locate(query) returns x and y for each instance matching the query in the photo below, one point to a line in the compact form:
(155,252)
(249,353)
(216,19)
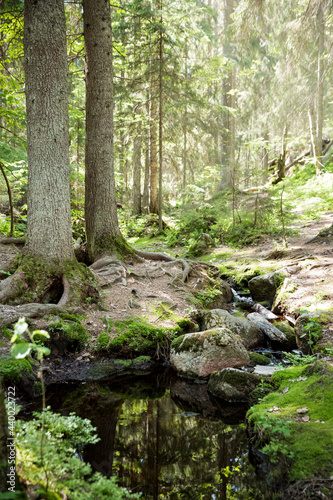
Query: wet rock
(249,333)
(316,327)
(193,397)
(258,359)
(200,354)
(289,332)
(233,385)
(265,287)
(267,328)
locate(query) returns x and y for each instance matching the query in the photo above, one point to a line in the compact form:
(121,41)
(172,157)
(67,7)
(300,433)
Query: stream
(164,437)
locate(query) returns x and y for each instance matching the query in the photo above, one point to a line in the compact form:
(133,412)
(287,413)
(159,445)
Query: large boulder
(273,333)
(289,332)
(200,354)
(314,330)
(233,385)
(265,286)
(249,333)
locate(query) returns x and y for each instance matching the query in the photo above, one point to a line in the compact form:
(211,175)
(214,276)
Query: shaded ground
(155,291)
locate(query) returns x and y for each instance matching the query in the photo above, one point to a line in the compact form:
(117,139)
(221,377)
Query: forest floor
(154,290)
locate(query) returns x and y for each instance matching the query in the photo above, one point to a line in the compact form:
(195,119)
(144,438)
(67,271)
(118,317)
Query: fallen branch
(15,241)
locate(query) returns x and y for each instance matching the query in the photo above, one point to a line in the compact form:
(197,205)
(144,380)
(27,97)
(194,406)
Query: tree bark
(102,228)
(137,169)
(228,102)
(49,232)
(320,88)
(153,207)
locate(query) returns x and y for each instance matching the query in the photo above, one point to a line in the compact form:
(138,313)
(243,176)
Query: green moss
(71,317)
(111,245)
(176,343)
(309,443)
(184,324)
(259,359)
(136,336)
(12,370)
(5,332)
(72,331)
(103,341)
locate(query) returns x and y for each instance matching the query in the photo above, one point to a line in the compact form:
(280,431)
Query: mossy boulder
(200,354)
(67,334)
(250,334)
(314,330)
(297,445)
(136,337)
(289,333)
(12,370)
(273,333)
(283,293)
(265,286)
(234,386)
(258,359)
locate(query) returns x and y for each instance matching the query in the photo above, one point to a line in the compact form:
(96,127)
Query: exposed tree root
(10,314)
(65,296)
(12,286)
(310,488)
(10,241)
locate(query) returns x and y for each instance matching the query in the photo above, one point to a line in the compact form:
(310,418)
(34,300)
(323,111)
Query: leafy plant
(274,430)
(312,333)
(299,359)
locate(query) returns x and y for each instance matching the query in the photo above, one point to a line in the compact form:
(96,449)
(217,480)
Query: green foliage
(208,296)
(275,430)
(12,370)
(313,332)
(299,359)
(59,469)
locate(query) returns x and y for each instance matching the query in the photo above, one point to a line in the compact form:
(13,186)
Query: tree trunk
(160,139)
(49,232)
(145,199)
(153,207)
(320,88)
(102,229)
(137,169)
(228,101)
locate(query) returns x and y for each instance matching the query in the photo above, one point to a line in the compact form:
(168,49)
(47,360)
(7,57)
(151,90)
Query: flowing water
(165,437)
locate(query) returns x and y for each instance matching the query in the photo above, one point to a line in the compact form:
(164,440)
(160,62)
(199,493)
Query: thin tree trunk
(320,88)
(228,101)
(49,232)
(137,169)
(153,207)
(160,140)
(145,200)
(102,229)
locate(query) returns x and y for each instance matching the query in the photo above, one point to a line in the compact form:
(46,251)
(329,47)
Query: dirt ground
(155,291)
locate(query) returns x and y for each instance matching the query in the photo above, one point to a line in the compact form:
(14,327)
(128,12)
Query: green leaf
(41,332)
(41,350)
(22,350)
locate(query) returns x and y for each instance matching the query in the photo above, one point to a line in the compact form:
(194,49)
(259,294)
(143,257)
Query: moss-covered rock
(12,370)
(302,441)
(250,334)
(265,286)
(289,332)
(258,359)
(200,354)
(135,336)
(234,386)
(314,330)
(283,293)
(65,335)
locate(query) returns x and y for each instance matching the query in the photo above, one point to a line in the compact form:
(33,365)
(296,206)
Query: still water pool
(164,437)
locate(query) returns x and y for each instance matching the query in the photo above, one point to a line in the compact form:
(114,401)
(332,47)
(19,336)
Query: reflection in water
(165,440)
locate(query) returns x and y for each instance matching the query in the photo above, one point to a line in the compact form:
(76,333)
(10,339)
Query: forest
(166,231)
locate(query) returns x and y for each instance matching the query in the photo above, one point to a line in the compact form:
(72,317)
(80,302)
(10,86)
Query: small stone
(306,419)
(301,379)
(285,390)
(302,410)
(317,422)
